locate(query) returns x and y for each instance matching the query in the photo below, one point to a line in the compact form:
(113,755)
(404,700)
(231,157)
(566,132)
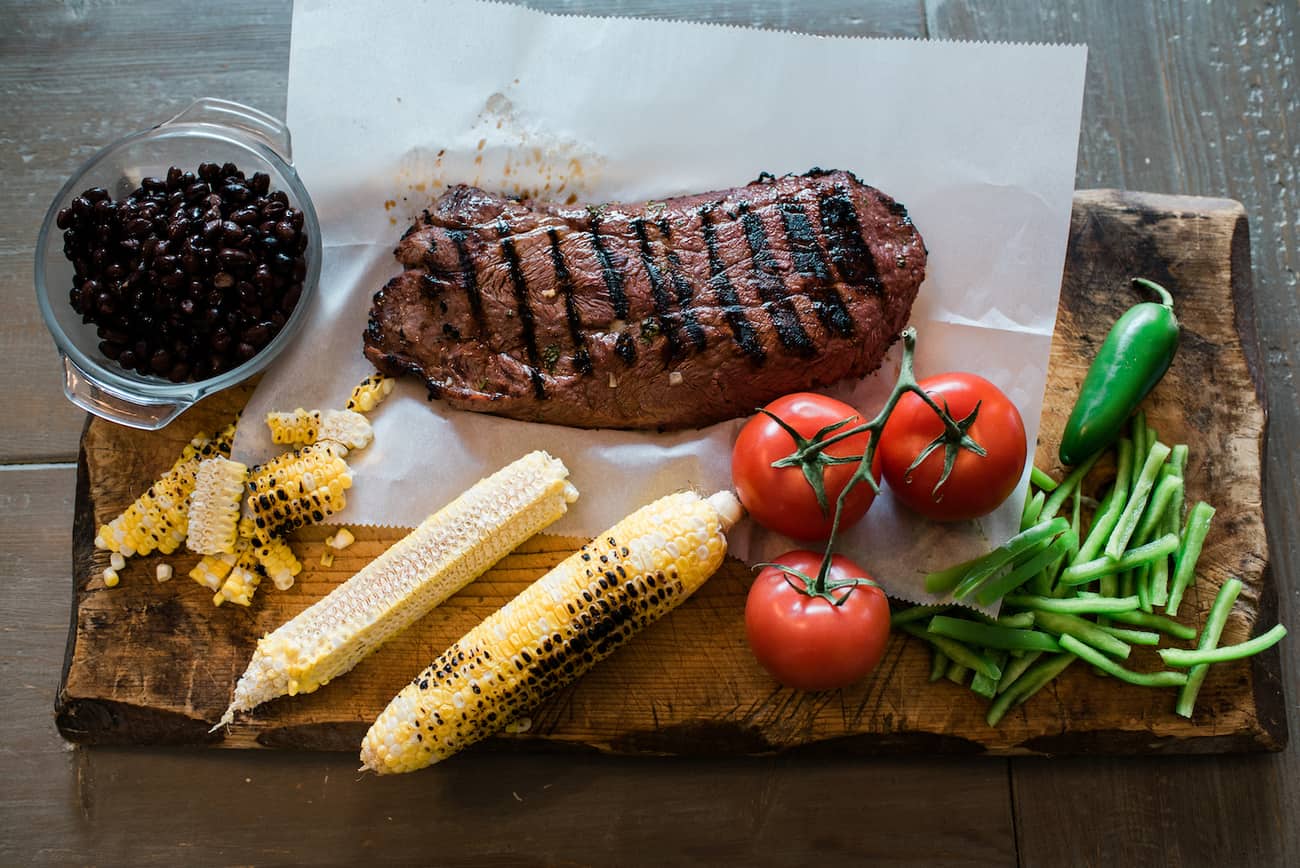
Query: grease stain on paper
(503,152)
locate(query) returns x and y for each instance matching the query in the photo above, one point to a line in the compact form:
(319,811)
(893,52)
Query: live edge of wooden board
(154,664)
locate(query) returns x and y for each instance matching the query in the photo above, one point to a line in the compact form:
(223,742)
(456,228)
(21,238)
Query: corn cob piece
(279,563)
(554,631)
(297,488)
(347,428)
(211,570)
(369,392)
(159,518)
(242,581)
(447,551)
(214,506)
(298,428)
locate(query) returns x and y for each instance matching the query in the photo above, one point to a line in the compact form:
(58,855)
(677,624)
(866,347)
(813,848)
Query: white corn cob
(346,427)
(447,551)
(214,506)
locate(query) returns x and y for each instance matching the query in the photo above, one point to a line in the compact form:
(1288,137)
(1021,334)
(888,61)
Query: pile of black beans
(188,276)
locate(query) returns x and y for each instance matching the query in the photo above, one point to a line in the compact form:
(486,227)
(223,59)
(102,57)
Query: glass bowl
(210,130)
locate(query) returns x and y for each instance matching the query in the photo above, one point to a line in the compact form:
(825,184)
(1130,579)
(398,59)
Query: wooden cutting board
(152,663)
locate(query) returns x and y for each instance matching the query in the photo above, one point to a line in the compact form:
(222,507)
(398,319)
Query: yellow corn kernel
(341,540)
(214,506)
(110,578)
(163,572)
(369,392)
(212,570)
(242,581)
(327,558)
(446,552)
(279,563)
(554,631)
(297,488)
(116,561)
(298,428)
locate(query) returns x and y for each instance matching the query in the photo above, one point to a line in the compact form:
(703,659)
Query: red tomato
(810,643)
(977,484)
(780,498)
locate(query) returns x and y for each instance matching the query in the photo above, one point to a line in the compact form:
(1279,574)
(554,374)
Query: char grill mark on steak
(848,250)
(682,288)
(613,277)
(742,330)
(809,261)
(659,293)
(564,280)
(527,325)
(771,286)
(468,276)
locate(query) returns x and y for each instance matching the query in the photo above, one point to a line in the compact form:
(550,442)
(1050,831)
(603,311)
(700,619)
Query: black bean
(96,194)
(245,351)
(208,171)
(187,307)
(110,349)
(285,231)
(63,219)
(233,191)
(179,372)
(173,178)
(259,183)
(231,170)
(223,280)
(114,271)
(197,190)
(259,334)
(211,229)
(244,216)
(126,358)
(233,258)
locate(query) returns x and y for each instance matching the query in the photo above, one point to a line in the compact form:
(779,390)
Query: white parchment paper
(977,140)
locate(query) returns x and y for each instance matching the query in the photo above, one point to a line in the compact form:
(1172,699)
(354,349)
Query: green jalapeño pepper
(1132,359)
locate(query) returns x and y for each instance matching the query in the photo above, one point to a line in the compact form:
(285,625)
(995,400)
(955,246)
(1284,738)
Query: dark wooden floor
(1182,97)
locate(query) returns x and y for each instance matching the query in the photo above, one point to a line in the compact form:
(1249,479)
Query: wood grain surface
(1182,97)
(155,664)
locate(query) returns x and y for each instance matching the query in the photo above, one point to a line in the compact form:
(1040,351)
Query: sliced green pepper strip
(1173,520)
(1033,506)
(1137,501)
(1038,677)
(1159,583)
(1015,668)
(1155,622)
(945,580)
(1073,605)
(1141,445)
(1036,536)
(1213,630)
(1198,525)
(1066,488)
(989,636)
(1182,657)
(984,686)
(1104,524)
(955,651)
(1020,620)
(1178,459)
(1156,508)
(1040,479)
(1110,667)
(938,663)
(957,673)
(1142,586)
(1079,574)
(1084,631)
(1133,637)
(916,613)
(998,587)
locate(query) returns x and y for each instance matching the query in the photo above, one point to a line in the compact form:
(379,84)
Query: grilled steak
(662,315)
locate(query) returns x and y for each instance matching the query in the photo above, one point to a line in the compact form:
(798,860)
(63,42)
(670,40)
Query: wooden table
(1182,98)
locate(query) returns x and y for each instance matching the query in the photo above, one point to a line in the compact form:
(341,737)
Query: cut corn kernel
(327,558)
(212,570)
(159,518)
(116,561)
(214,506)
(341,540)
(110,578)
(163,572)
(298,428)
(446,552)
(242,581)
(347,428)
(296,489)
(554,631)
(369,392)
(279,563)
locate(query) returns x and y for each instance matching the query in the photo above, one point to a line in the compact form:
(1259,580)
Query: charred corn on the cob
(446,552)
(369,392)
(279,563)
(347,428)
(296,428)
(159,518)
(554,631)
(211,570)
(297,488)
(214,506)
